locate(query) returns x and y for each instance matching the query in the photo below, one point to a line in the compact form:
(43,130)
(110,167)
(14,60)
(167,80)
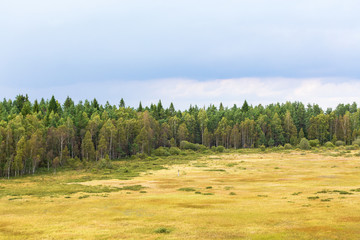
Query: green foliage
(161,151)
(75,163)
(48,135)
(288,146)
(220,149)
(174,151)
(356,141)
(314,143)
(105,163)
(339,143)
(304,144)
(185,145)
(329,145)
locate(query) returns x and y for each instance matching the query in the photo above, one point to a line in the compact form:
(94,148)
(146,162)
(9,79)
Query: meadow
(245,194)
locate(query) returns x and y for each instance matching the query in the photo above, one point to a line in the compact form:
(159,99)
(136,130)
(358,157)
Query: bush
(352,147)
(356,141)
(74,163)
(262,148)
(188,145)
(220,149)
(141,155)
(161,151)
(329,145)
(304,144)
(105,163)
(201,148)
(339,143)
(174,151)
(280,148)
(314,143)
(287,146)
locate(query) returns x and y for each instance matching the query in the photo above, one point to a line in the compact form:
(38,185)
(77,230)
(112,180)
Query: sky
(181,51)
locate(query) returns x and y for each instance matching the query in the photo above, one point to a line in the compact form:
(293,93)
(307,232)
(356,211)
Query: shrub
(141,155)
(262,148)
(280,148)
(271,142)
(161,151)
(314,143)
(339,143)
(174,151)
(356,141)
(74,163)
(304,144)
(329,145)
(105,163)
(287,146)
(188,145)
(352,147)
(201,147)
(220,149)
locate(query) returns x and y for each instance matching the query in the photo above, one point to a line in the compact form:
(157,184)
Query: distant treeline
(50,134)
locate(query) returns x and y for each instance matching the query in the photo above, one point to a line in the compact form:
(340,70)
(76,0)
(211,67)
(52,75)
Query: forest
(48,134)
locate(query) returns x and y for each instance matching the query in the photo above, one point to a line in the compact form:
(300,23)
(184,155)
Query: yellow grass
(271,201)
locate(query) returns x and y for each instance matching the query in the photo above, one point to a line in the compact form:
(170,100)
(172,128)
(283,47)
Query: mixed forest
(48,134)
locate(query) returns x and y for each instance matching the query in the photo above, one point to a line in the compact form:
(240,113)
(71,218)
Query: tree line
(49,134)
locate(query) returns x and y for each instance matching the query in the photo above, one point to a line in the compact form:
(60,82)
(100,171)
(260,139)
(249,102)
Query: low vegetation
(150,198)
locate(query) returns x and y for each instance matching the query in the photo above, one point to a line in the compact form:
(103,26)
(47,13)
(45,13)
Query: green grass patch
(132,187)
(187,189)
(14,198)
(231,164)
(215,170)
(163,230)
(342,192)
(313,198)
(84,196)
(326,200)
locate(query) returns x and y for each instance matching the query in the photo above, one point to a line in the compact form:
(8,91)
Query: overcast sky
(189,52)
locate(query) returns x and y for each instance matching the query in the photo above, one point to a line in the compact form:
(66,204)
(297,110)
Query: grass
(162,230)
(187,189)
(306,199)
(215,170)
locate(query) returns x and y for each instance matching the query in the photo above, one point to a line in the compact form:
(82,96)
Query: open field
(284,195)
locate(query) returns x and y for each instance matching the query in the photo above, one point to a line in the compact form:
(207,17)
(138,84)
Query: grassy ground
(277,195)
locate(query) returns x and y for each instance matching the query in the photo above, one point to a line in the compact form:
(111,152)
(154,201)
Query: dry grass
(275,197)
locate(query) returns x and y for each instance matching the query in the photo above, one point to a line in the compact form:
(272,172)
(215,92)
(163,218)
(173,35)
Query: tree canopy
(48,134)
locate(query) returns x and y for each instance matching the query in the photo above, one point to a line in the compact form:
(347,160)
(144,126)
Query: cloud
(185,92)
